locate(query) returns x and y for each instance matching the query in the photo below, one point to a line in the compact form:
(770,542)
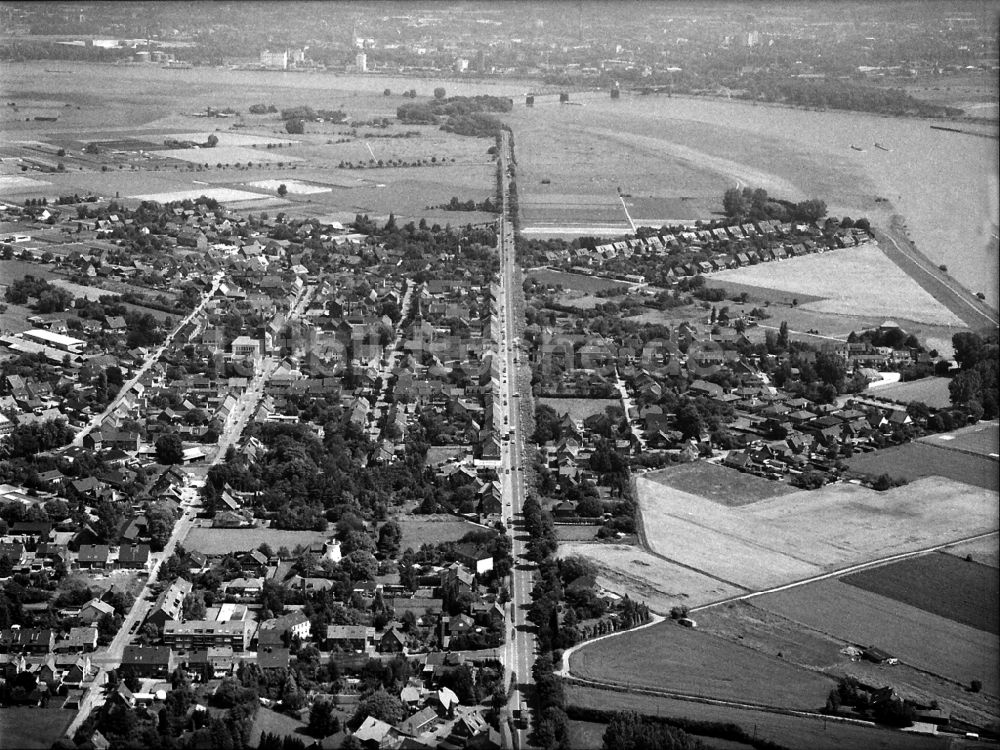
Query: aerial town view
(540,375)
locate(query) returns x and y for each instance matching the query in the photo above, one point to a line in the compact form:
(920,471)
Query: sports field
(925,458)
(795,536)
(922,639)
(627,569)
(220,541)
(942,584)
(723,485)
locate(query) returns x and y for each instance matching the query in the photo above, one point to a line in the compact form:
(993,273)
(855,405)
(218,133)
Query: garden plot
(792,537)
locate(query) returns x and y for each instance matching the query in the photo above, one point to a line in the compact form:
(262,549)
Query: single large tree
(170,449)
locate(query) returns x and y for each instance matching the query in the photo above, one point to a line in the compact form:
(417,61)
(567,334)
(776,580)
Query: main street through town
(519,648)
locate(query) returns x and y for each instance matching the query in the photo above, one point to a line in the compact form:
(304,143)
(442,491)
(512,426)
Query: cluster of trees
(630,731)
(262,109)
(28,440)
(48,298)
(755,204)
(470,205)
(828,93)
(975,387)
(882,706)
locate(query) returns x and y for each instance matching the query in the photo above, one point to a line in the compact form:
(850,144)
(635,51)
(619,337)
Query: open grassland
(221,541)
(792,537)
(787,731)
(421,530)
(626,569)
(576,532)
(930,391)
(723,485)
(771,634)
(916,460)
(576,281)
(945,585)
(982,438)
(922,639)
(985,550)
(580,408)
(850,281)
(670,657)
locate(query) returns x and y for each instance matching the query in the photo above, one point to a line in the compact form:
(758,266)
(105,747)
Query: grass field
(220,541)
(33,728)
(438,453)
(850,281)
(922,639)
(946,585)
(725,486)
(791,537)
(626,569)
(921,459)
(576,281)
(931,391)
(787,731)
(982,438)
(574,533)
(693,662)
(985,551)
(420,530)
(580,408)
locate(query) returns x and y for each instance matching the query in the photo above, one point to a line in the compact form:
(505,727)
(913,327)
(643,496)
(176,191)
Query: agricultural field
(12,183)
(920,459)
(921,639)
(945,585)
(814,733)
(692,662)
(982,439)
(221,541)
(419,530)
(576,281)
(931,391)
(294,187)
(223,195)
(795,536)
(850,281)
(580,408)
(985,551)
(723,485)
(627,569)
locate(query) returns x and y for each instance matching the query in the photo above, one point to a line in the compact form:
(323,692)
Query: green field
(421,530)
(718,483)
(919,459)
(220,541)
(33,728)
(982,439)
(579,408)
(576,281)
(930,391)
(942,584)
(919,638)
(787,731)
(669,657)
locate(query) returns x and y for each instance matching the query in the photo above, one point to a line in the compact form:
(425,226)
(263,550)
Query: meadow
(985,551)
(433,529)
(723,485)
(982,439)
(222,541)
(919,638)
(917,460)
(577,281)
(849,281)
(691,662)
(661,584)
(795,536)
(930,391)
(942,584)
(579,408)
(785,730)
